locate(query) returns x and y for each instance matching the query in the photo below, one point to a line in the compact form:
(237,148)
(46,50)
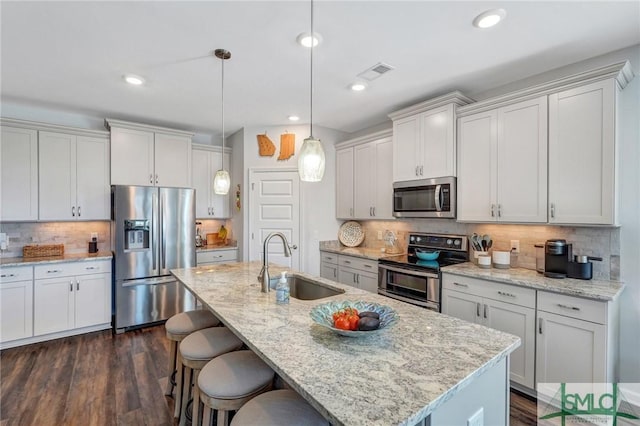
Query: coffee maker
(557,254)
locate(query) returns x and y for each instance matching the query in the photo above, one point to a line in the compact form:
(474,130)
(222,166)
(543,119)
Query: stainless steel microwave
(425,198)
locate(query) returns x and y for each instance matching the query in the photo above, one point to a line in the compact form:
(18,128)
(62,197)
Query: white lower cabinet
(216,256)
(350,270)
(574,340)
(76,295)
(502,307)
(16,303)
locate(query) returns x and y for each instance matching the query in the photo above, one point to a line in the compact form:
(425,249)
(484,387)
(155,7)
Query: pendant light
(311,158)
(222,181)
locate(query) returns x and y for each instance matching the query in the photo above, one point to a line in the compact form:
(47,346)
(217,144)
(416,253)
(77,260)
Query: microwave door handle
(438,197)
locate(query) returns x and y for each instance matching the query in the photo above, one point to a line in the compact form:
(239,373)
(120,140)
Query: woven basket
(43,251)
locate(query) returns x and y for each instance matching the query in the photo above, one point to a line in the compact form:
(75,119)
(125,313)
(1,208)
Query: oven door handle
(428,305)
(408,271)
(438,196)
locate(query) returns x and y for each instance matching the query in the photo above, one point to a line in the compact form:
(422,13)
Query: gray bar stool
(227,382)
(277,408)
(196,350)
(177,328)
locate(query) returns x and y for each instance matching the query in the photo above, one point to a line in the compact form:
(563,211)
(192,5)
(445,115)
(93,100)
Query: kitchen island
(428,368)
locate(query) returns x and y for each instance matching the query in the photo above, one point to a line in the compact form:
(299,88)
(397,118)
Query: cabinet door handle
(493,210)
(540,325)
(374,211)
(502,293)
(151,178)
(78,285)
(552,210)
(351,212)
(79,211)
(54,271)
(573,308)
(71,285)
(156,179)
(499,210)
(335,273)
(358,278)
(73,211)
(460,285)
(213,211)
(485,310)
(421,170)
(478,309)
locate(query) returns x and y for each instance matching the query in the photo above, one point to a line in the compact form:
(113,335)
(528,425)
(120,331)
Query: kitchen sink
(304,289)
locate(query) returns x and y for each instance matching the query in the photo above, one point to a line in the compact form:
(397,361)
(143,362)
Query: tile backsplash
(593,241)
(74,235)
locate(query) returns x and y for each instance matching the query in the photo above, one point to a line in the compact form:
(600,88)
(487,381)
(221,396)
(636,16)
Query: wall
(317,199)
(74,235)
(236,141)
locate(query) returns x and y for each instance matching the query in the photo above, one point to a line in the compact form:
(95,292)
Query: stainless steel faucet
(264,272)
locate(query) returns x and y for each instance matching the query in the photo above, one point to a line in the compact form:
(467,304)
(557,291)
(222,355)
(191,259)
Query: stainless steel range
(416,281)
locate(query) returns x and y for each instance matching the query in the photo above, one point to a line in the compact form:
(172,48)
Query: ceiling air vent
(375,71)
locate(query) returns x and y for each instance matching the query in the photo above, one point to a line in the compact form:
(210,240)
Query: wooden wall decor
(265,146)
(287,146)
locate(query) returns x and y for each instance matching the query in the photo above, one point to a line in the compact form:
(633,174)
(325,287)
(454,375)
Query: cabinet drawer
(214,256)
(463,284)
(18,273)
(358,263)
(510,294)
(574,307)
(329,258)
(54,270)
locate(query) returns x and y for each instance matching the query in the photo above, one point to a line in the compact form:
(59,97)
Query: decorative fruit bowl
(323,315)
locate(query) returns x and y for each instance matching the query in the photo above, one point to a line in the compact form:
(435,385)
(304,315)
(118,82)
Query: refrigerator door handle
(154,231)
(163,251)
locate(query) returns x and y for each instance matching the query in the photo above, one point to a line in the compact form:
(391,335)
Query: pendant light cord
(313,39)
(224,53)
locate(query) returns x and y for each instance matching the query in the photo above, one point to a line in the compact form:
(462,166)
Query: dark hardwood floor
(105,379)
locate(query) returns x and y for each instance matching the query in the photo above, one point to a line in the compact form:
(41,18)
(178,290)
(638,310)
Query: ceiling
(72,55)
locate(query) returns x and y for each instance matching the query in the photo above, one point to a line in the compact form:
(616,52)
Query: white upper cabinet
(206,161)
(424,138)
(73,177)
(149,156)
(502,164)
(19,174)
(582,154)
(364,188)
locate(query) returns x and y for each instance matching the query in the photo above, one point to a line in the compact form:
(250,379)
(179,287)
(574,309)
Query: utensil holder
(476,254)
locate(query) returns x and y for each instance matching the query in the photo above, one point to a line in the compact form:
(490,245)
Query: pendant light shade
(222,180)
(311,158)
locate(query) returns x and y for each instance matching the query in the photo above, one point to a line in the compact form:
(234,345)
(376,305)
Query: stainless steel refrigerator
(152,231)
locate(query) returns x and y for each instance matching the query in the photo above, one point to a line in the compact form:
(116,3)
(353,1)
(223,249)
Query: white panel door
(522,162)
(329,271)
(19,174)
(16,310)
(383,190)
(438,156)
(344,183)
(364,175)
(53,305)
(131,157)
(582,154)
(274,207)
(461,305)
(92,299)
(477,135)
(172,157)
(406,149)
(92,179)
(57,176)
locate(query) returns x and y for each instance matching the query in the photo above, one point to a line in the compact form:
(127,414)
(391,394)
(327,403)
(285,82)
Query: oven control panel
(438,241)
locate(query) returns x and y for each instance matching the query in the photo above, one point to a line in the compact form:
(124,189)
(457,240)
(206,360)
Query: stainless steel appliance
(557,254)
(425,198)
(151,232)
(407,278)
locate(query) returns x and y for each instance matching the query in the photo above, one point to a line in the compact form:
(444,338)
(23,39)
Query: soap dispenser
(282,290)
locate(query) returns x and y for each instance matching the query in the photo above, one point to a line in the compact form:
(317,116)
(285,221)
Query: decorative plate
(351,234)
(323,314)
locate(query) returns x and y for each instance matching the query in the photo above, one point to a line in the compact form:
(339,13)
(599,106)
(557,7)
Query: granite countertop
(76,257)
(590,289)
(366,253)
(397,376)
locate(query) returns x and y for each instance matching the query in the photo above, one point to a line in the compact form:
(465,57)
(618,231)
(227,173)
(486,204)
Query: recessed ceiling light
(294,118)
(358,86)
(489,18)
(305,39)
(133,79)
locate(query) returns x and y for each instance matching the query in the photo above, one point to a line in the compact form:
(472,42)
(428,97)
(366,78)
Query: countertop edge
(20,261)
(525,283)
